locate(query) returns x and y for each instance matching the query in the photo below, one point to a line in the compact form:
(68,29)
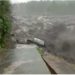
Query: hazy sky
(20,1)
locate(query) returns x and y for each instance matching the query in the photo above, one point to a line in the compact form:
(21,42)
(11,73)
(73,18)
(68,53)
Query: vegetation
(47,7)
(5,22)
(40,50)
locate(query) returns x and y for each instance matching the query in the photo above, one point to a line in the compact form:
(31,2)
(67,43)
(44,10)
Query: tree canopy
(5,22)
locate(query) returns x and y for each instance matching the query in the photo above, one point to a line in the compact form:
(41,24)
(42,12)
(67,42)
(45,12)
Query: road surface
(25,59)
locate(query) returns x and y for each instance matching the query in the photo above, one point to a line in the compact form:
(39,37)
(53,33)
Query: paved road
(25,59)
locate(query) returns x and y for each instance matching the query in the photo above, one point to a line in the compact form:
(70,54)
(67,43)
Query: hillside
(45,8)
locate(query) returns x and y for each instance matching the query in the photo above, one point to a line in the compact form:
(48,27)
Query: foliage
(5,22)
(47,8)
(40,50)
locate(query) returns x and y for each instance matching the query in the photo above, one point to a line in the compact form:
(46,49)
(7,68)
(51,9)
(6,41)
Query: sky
(20,1)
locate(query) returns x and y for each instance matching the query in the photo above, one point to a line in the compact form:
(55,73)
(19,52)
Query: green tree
(5,21)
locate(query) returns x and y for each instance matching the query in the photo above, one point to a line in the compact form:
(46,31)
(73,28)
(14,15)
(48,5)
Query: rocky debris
(21,41)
